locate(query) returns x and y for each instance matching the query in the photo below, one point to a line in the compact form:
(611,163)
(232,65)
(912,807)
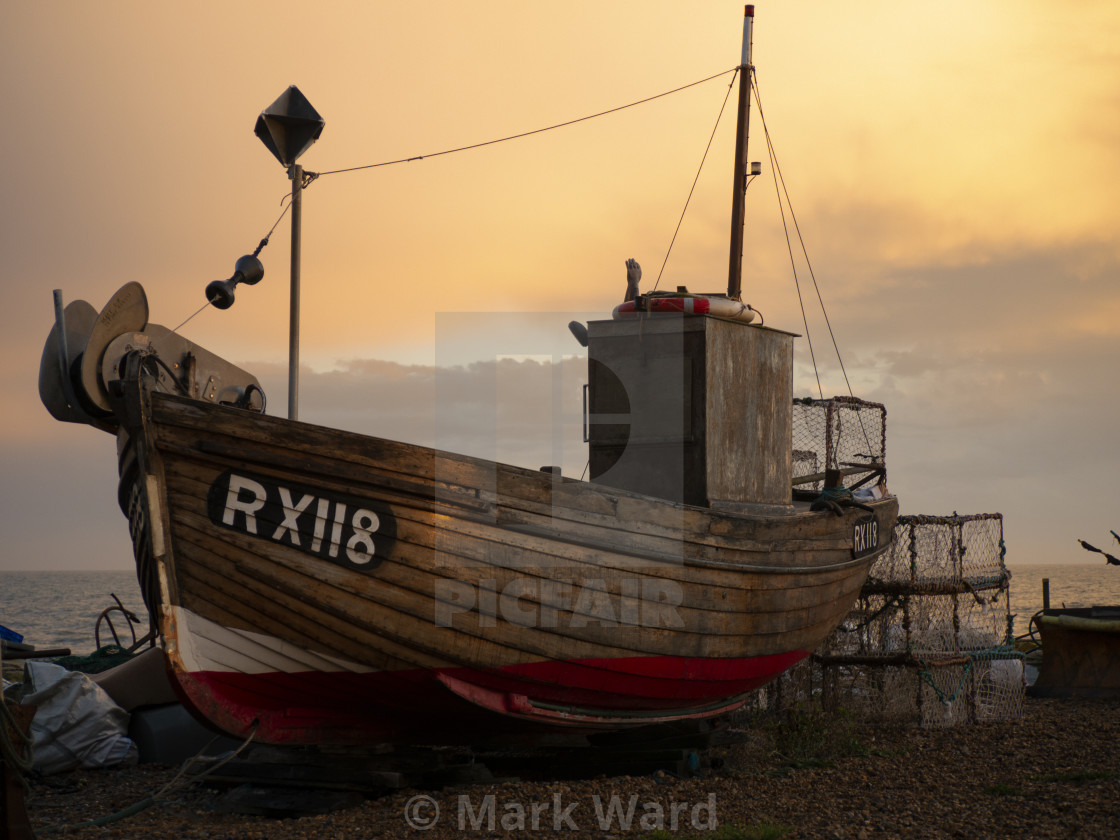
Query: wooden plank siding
(452,529)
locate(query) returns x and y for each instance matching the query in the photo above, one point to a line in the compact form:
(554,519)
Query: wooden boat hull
(1080,653)
(331,587)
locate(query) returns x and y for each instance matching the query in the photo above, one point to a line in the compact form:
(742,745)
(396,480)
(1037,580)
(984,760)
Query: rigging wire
(528,133)
(789,246)
(191,317)
(805,253)
(804,250)
(695,180)
(260,247)
(308,177)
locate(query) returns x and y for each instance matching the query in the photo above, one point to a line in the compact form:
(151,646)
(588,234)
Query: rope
(147,802)
(9,753)
(695,181)
(832,498)
(1031,635)
(527,133)
(774,169)
(1000,652)
(308,177)
(191,317)
(805,253)
(893,603)
(927,677)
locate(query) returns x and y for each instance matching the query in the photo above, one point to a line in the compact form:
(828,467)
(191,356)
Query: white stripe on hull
(205,645)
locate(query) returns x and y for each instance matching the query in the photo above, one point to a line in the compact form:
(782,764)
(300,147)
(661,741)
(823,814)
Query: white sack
(76,723)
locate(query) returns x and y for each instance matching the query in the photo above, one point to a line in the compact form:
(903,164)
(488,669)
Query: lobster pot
(935,693)
(929,640)
(841,433)
(692,409)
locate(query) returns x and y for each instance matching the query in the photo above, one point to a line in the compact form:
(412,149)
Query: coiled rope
(13,755)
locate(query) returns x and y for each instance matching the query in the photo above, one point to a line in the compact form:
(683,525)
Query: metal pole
(295,172)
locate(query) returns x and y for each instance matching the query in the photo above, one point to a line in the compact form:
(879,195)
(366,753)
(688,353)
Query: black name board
(865,536)
(342,529)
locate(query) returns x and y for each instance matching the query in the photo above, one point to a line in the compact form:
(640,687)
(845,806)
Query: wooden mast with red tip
(738,197)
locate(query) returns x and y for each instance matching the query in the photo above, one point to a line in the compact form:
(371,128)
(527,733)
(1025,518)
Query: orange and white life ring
(675,304)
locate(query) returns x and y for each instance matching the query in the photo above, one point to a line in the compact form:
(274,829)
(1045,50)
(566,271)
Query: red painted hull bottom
(463,705)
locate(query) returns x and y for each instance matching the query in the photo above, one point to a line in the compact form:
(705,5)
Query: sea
(1071,585)
(60,609)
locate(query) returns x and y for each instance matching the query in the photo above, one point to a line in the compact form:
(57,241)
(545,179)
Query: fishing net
(929,641)
(102,659)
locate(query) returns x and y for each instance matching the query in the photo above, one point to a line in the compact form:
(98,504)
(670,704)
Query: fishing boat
(1077,648)
(316,586)
(1080,652)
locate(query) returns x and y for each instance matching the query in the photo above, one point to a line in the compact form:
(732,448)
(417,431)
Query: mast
(739,191)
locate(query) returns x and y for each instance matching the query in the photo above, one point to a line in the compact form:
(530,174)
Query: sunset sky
(954,167)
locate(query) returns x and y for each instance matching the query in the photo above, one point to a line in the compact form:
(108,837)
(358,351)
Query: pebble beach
(1053,773)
